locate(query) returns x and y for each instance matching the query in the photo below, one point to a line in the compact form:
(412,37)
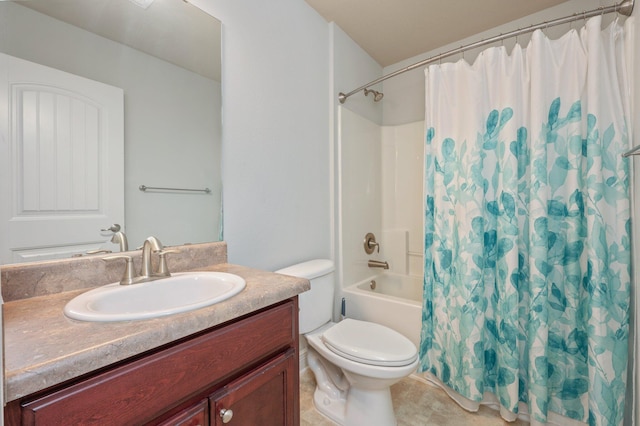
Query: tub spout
(378,264)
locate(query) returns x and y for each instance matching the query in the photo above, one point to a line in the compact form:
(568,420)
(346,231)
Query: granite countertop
(42,347)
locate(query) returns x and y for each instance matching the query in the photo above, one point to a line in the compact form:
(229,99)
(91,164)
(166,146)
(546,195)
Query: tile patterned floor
(416,404)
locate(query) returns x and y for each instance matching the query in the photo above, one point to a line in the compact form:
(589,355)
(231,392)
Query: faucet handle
(163,269)
(129,275)
(99,251)
(370,243)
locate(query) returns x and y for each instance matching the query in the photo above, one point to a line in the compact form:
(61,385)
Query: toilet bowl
(354,362)
(370,366)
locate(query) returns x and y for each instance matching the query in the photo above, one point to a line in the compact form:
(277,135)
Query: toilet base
(371,408)
(349,405)
(328,406)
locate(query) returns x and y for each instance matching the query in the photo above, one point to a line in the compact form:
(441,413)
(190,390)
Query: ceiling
(393,30)
(172,30)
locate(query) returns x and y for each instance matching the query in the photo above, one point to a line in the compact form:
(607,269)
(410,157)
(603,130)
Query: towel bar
(158,188)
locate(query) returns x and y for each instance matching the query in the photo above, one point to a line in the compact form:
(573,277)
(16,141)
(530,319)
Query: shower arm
(625,7)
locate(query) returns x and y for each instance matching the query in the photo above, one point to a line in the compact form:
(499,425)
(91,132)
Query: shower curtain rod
(625,7)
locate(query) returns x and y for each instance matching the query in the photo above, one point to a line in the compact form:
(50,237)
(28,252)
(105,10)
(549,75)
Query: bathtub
(394,301)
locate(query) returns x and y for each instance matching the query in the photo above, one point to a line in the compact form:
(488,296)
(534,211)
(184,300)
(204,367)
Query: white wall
(275,84)
(172,125)
(353,67)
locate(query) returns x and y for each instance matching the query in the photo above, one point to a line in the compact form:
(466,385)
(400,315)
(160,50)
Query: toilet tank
(316,305)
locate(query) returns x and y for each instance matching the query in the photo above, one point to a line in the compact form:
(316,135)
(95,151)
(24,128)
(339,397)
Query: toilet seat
(369,343)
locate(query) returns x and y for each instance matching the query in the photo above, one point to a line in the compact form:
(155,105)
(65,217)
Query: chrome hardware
(370,243)
(625,7)
(153,245)
(145,188)
(150,244)
(633,151)
(121,239)
(377,96)
(129,277)
(226,415)
(90,252)
(163,269)
(100,251)
(377,264)
(113,228)
(372,284)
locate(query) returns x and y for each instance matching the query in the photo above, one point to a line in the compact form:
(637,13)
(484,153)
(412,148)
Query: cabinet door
(197,415)
(266,396)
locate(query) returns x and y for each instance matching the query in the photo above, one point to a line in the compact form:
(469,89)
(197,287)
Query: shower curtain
(527,226)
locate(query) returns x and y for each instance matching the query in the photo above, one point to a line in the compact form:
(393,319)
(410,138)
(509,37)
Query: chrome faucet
(151,244)
(378,264)
(121,239)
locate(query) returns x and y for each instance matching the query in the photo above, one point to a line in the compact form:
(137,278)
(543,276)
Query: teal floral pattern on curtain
(527,244)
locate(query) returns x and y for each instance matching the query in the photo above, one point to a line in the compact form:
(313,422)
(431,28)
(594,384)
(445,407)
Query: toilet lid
(369,343)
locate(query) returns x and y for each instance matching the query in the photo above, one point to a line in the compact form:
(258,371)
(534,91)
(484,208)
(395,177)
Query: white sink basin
(179,293)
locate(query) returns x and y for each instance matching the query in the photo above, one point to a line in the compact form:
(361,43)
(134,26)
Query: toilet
(354,362)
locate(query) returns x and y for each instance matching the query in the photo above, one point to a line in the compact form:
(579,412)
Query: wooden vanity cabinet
(197,415)
(248,366)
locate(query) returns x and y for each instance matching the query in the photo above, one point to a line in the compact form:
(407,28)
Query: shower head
(377,96)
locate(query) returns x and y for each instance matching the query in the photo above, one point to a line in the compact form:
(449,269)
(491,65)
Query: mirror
(166,60)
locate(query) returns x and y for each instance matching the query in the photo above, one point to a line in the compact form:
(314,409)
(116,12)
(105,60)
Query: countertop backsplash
(26,280)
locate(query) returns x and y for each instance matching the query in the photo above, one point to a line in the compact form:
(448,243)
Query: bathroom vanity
(235,362)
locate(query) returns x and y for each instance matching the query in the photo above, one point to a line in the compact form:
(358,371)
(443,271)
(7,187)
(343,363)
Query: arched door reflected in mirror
(166,61)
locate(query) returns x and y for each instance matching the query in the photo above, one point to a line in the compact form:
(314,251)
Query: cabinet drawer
(141,390)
